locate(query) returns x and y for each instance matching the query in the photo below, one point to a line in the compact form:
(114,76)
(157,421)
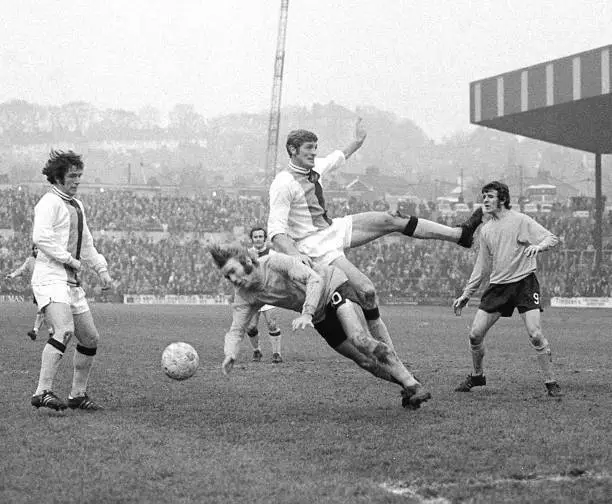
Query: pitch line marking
(414,490)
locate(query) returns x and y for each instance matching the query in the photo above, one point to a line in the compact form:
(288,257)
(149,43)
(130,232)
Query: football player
(325,301)
(298,223)
(26,269)
(65,243)
(509,244)
(261,247)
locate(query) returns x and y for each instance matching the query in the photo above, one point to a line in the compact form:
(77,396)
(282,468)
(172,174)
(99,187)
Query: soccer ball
(180,360)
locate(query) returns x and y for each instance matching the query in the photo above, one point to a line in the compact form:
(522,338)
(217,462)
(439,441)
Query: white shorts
(61,293)
(266,307)
(326,245)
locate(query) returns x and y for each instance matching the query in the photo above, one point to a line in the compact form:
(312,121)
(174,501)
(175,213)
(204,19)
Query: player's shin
(275,341)
(377,327)
(51,356)
(428,230)
(544,356)
(83,362)
(478,353)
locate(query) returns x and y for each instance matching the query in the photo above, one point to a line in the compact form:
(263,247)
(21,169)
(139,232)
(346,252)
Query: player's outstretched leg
(368,226)
(377,357)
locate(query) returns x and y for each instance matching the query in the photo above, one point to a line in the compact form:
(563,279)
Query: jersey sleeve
(330,163)
(89,254)
(43,233)
(280,205)
(482,268)
(242,312)
(300,273)
(532,232)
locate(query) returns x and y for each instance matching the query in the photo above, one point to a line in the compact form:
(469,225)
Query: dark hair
(296,138)
(59,163)
(503,193)
(258,228)
(222,254)
(34,250)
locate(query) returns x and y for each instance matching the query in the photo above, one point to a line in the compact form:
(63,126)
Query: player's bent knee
(476,339)
(63,337)
(367,294)
(539,342)
(382,352)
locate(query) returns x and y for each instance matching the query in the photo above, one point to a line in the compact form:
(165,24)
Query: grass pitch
(315,428)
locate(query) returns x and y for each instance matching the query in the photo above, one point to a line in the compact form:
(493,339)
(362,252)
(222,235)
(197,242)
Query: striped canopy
(567,101)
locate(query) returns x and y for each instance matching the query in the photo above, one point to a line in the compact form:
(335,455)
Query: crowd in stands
(178,262)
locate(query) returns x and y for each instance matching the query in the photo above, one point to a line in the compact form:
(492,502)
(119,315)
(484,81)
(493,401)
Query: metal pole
(597,234)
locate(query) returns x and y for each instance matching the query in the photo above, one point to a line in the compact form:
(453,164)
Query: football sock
(51,357)
(275,341)
(429,230)
(377,327)
(82,361)
(478,353)
(544,356)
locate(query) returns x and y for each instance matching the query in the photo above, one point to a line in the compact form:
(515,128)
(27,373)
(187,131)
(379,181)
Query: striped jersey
(297,205)
(60,232)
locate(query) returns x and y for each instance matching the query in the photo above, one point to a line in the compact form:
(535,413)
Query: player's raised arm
(357,142)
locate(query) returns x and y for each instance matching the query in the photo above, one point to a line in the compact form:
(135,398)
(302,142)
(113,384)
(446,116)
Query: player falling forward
(64,242)
(26,269)
(509,244)
(298,223)
(326,302)
(261,247)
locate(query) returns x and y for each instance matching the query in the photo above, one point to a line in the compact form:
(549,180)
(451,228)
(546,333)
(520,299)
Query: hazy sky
(411,57)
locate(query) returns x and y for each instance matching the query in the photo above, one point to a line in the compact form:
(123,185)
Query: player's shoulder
(49,199)
(283,177)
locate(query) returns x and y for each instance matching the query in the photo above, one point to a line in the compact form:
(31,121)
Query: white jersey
(297,205)
(60,232)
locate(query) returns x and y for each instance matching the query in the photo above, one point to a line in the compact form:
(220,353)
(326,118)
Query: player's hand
(532,250)
(107,281)
(75,264)
(360,132)
(228,365)
(459,304)
(302,322)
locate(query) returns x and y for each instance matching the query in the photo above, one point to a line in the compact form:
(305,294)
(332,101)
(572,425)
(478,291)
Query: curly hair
(503,192)
(296,138)
(59,163)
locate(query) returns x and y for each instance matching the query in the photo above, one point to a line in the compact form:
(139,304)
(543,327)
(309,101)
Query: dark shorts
(523,295)
(330,327)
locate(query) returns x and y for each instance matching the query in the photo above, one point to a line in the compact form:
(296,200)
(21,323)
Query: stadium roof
(567,101)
